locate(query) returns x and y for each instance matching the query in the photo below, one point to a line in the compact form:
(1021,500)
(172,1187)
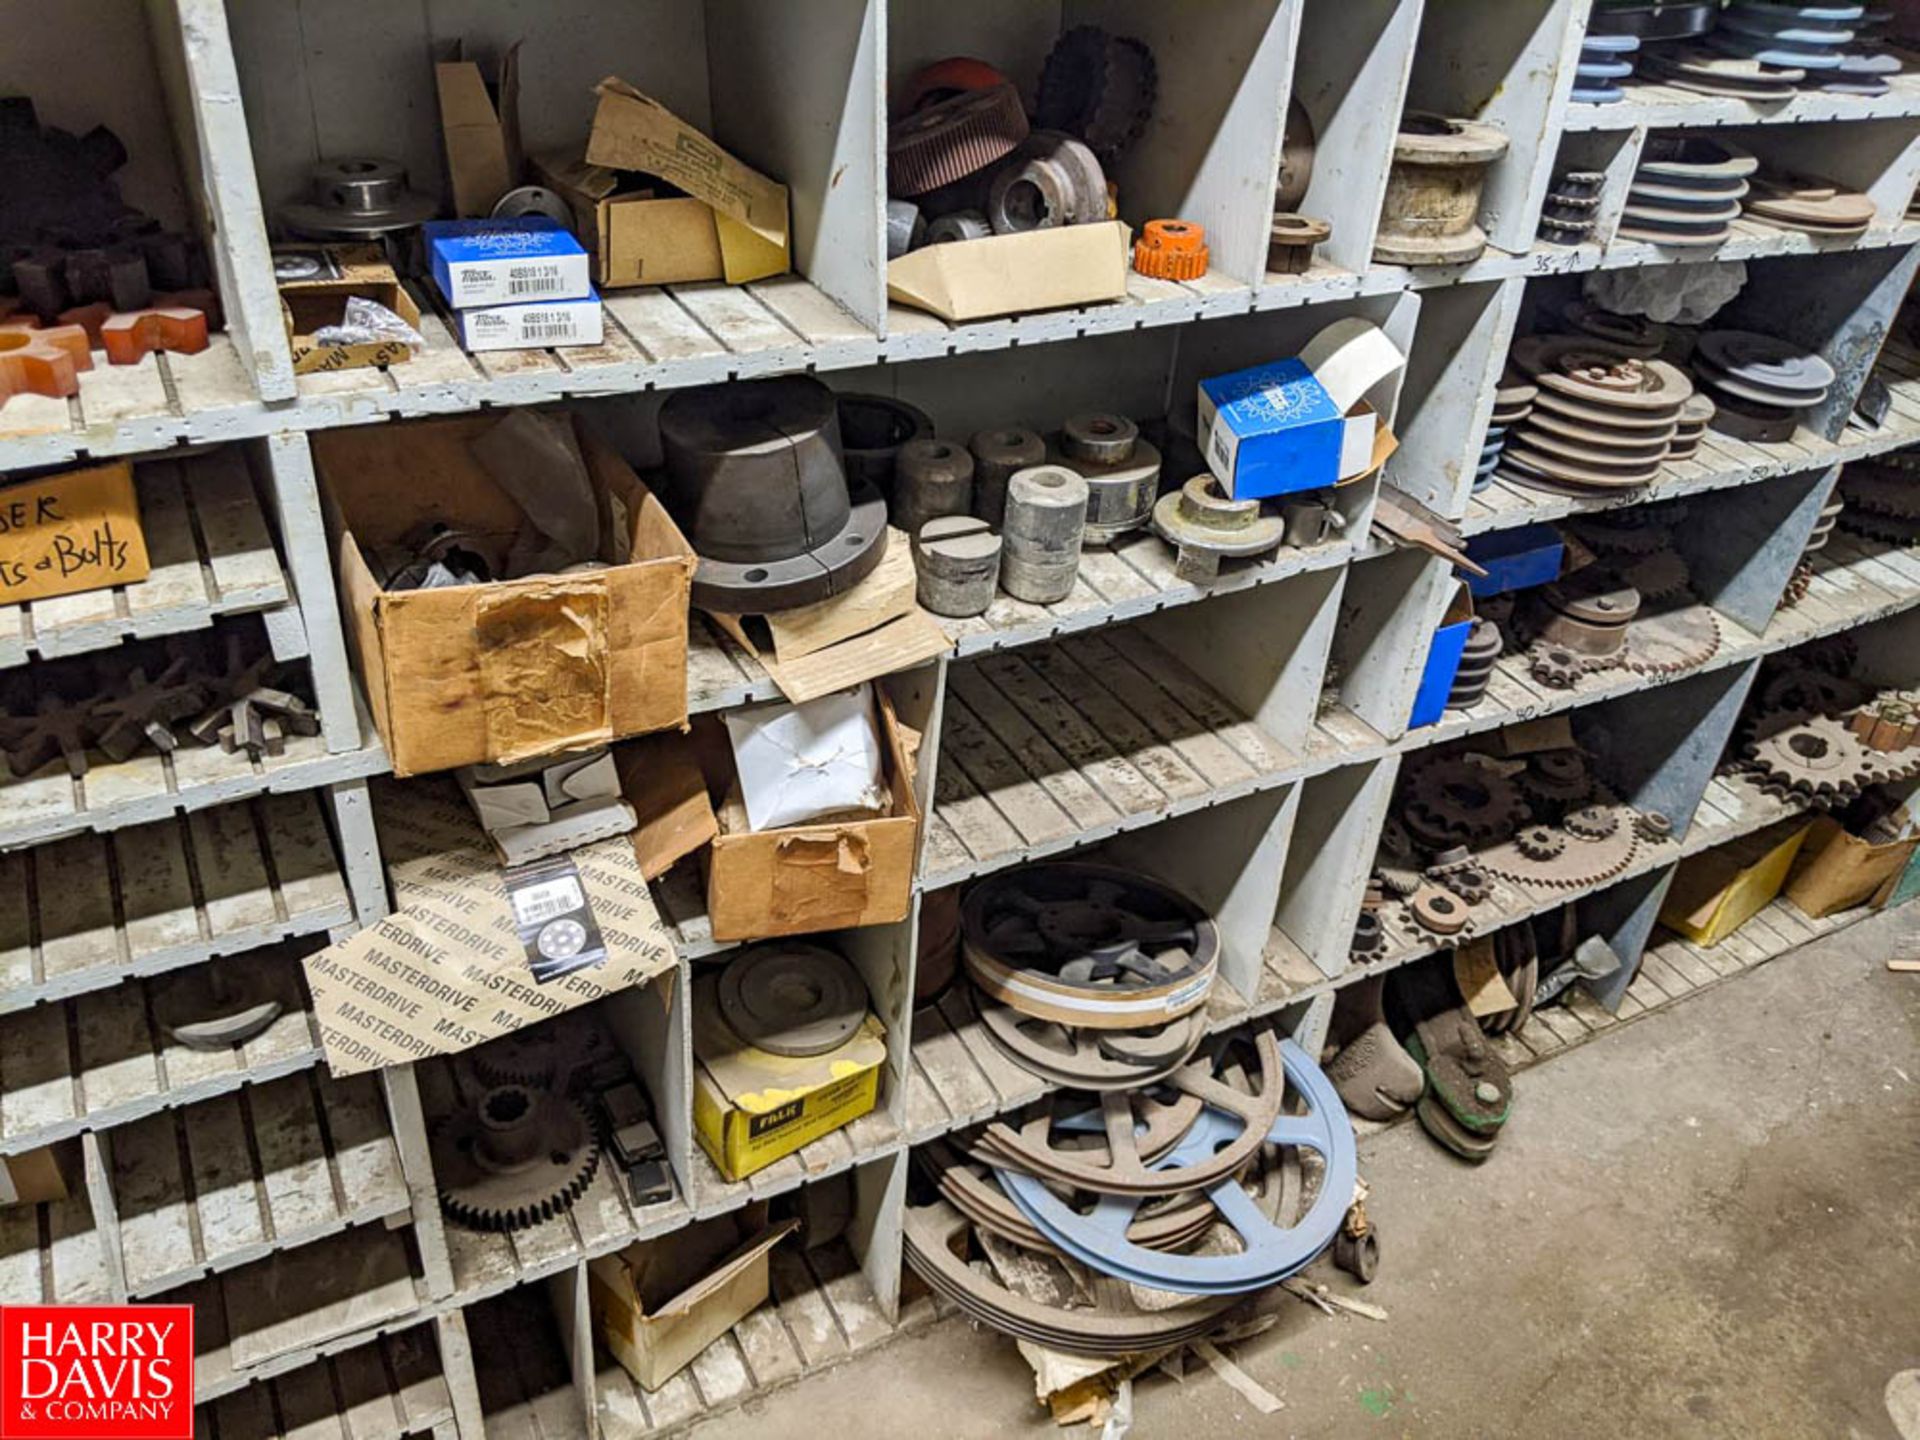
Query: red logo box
(96,1372)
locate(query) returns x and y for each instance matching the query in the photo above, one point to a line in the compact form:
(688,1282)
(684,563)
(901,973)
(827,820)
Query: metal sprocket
(513,1158)
(1451,800)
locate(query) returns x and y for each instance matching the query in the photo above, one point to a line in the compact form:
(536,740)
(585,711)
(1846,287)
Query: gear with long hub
(1451,800)
(517,1156)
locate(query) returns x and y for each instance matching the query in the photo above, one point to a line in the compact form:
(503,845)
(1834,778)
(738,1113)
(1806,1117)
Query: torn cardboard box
(482,139)
(511,669)
(462,957)
(1836,871)
(733,227)
(1014,274)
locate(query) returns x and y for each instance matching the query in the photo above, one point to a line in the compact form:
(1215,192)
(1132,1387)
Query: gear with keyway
(515,1157)
(1592,822)
(1556,666)
(541,1055)
(1652,826)
(1671,642)
(1813,755)
(1540,842)
(1450,800)
(1465,879)
(1658,575)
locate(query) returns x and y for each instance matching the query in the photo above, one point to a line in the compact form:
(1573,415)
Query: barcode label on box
(526,282)
(543,900)
(553,918)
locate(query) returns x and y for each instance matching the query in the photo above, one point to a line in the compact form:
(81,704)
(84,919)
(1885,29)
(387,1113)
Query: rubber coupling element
(1171,250)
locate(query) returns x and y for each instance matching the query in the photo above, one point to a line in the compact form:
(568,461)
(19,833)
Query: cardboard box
(1837,871)
(658,1303)
(531,325)
(453,966)
(814,877)
(1300,423)
(316,281)
(31,1178)
(517,668)
(1015,274)
(505,262)
(1717,891)
(751,1107)
(482,141)
(730,224)
(74,531)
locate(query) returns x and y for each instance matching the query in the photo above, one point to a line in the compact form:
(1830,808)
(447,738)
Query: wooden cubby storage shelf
(384,1390)
(1665,107)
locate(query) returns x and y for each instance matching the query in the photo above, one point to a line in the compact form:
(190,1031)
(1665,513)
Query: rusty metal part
(1659,575)
(1672,641)
(1430,215)
(1291,239)
(1540,842)
(1369,940)
(550,1055)
(1051,180)
(791,998)
(1601,375)
(143,711)
(1557,777)
(1438,911)
(1881,490)
(514,1157)
(1099,87)
(1652,826)
(1584,860)
(953,139)
(1812,755)
(1797,585)
(1555,666)
(1633,334)
(1118,1167)
(944,79)
(1450,800)
(1591,822)
(1465,879)
(1888,723)
(1171,250)
(1298,146)
(756,478)
(1088,945)
(1205,526)
(1083,1058)
(1403,520)
(1121,469)
(1623,533)
(1587,612)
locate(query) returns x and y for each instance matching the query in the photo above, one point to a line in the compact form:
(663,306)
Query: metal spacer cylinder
(997,456)
(931,478)
(1046,521)
(956,561)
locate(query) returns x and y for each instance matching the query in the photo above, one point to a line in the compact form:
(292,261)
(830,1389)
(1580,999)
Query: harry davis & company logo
(96,1372)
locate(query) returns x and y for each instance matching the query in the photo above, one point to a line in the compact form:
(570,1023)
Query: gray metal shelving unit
(1218,772)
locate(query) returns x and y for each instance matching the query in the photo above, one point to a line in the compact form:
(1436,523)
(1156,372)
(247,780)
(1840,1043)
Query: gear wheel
(1580,864)
(1467,880)
(1895,530)
(1592,822)
(542,1055)
(1813,755)
(1625,535)
(1540,842)
(1804,687)
(1881,490)
(1797,585)
(1661,575)
(1099,87)
(1453,801)
(1673,642)
(1398,879)
(1558,777)
(1652,826)
(1555,666)
(953,139)
(1369,937)
(518,1156)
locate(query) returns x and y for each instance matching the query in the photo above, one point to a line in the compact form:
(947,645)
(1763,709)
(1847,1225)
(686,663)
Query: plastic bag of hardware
(368,322)
(799,763)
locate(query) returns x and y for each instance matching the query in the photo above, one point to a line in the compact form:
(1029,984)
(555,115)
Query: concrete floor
(1705,1223)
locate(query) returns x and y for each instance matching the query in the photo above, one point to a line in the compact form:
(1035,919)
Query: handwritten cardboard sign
(65,533)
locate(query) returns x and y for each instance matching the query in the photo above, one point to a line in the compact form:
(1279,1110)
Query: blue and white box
(1299,423)
(534,325)
(506,262)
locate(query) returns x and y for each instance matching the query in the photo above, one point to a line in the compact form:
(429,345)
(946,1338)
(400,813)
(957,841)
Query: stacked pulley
(1813,39)
(1605,60)
(1512,402)
(1760,385)
(1602,419)
(1580,624)
(1687,191)
(1882,501)
(1566,217)
(1812,206)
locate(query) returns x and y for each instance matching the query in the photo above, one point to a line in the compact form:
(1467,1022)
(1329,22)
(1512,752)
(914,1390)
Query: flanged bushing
(956,562)
(1205,526)
(931,477)
(1122,472)
(1291,240)
(1045,522)
(1051,180)
(357,198)
(756,479)
(1433,191)
(998,455)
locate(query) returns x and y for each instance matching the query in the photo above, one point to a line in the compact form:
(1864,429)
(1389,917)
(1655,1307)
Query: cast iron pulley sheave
(516,1156)
(757,479)
(1088,945)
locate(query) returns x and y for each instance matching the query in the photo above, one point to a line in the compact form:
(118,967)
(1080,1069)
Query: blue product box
(532,325)
(1516,559)
(1443,663)
(502,262)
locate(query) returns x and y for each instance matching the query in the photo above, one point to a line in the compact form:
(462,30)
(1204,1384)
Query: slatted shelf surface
(241,1175)
(105,1058)
(210,551)
(1071,741)
(867,1138)
(284,1312)
(822,1313)
(90,910)
(112,795)
(1663,106)
(602,1220)
(54,1253)
(525,1379)
(381,1391)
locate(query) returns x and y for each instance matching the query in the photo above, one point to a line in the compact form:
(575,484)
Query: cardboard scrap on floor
(449,968)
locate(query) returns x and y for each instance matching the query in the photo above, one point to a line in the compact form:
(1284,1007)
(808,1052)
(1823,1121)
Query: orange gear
(1171,250)
(42,362)
(944,79)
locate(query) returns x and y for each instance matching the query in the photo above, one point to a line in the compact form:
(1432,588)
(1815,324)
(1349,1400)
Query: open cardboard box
(1014,274)
(1717,891)
(1837,871)
(333,275)
(511,669)
(658,1303)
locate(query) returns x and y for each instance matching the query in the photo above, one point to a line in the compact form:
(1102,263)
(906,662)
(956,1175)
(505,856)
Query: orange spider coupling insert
(128,337)
(42,362)
(1171,250)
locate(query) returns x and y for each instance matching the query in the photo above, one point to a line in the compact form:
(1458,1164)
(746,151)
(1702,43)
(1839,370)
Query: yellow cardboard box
(78,530)
(750,1107)
(1717,891)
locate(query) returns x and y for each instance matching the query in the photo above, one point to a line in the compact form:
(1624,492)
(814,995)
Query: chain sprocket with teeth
(1592,822)
(1450,801)
(1621,537)
(1467,880)
(1813,755)
(1652,826)
(1894,529)
(1556,666)
(1558,777)
(1580,863)
(1660,575)
(515,1157)
(1673,642)
(1540,842)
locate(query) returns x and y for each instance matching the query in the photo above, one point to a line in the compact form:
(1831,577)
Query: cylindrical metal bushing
(1045,522)
(997,455)
(930,478)
(872,430)
(956,561)
(1122,472)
